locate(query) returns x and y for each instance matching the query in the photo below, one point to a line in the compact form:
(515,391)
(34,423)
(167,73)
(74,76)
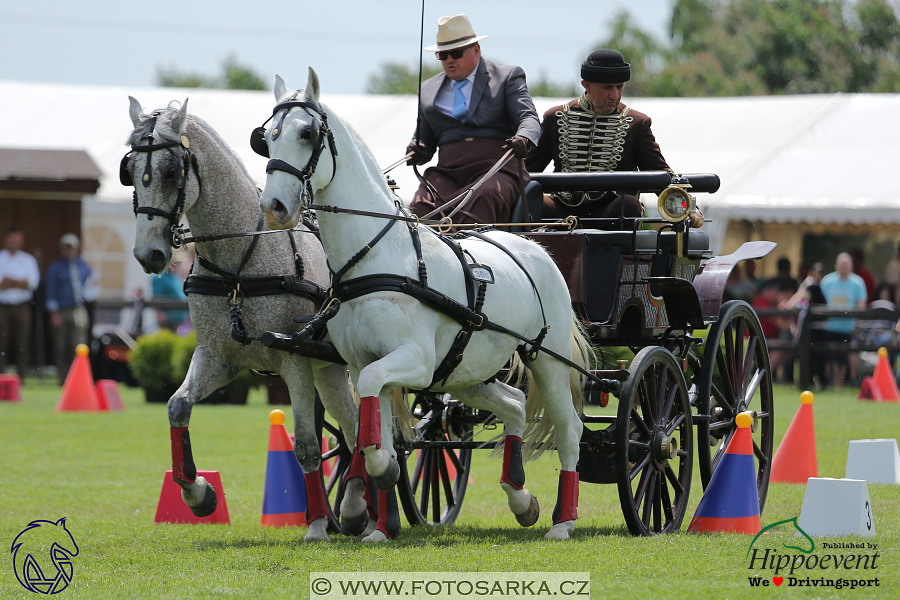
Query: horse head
(294,142)
(159,168)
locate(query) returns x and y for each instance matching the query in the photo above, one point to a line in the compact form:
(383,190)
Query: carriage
(651,285)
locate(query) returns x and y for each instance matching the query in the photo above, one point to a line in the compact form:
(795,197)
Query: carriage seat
(529,207)
(645,241)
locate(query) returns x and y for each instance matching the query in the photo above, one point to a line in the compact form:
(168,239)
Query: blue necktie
(459,101)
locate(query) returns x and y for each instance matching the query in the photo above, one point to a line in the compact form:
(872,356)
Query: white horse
(178,162)
(390,338)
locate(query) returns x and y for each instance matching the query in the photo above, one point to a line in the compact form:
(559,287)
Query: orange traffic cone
(172,509)
(284,496)
(731,501)
(884,379)
(10,388)
(795,459)
(108,394)
(78,391)
(868,390)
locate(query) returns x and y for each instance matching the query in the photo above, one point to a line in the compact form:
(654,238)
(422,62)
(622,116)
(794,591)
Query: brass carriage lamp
(675,205)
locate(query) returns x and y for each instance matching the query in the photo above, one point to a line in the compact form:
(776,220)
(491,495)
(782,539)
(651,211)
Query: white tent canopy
(786,159)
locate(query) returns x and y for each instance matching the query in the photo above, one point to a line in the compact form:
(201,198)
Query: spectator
(783,279)
(739,288)
(19,277)
(70,285)
(860,269)
(892,272)
(169,285)
(843,290)
(809,293)
(884,297)
(750,275)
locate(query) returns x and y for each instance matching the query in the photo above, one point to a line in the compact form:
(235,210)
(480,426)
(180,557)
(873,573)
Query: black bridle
(183,165)
(318,135)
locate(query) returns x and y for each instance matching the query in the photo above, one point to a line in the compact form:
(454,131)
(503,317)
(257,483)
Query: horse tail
(539,431)
(403,418)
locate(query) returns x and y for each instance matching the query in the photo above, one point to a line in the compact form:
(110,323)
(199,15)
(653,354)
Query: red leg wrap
(568,497)
(316,506)
(513,473)
(369,423)
(183,468)
(383,513)
(357,466)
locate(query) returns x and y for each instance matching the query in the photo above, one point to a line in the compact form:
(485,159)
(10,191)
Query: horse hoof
(354,525)
(389,477)
(376,536)
(530,516)
(317,531)
(370,528)
(209,503)
(561,531)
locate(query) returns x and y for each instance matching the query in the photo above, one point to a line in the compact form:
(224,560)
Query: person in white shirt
(19,277)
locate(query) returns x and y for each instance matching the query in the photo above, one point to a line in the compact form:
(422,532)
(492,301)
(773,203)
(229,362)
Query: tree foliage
(234,76)
(748,47)
(397,78)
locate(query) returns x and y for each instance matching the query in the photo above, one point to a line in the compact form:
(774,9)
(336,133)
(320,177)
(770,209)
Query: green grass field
(104,471)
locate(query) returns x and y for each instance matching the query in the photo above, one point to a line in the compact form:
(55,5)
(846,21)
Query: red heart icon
(777,580)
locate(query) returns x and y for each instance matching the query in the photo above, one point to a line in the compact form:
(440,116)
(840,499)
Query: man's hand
(419,156)
(518,145)
(696,219)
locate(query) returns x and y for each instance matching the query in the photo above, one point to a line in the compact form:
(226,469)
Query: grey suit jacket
(500,108)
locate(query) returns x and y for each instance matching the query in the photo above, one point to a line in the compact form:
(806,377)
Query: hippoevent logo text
(833,565)
(42,556)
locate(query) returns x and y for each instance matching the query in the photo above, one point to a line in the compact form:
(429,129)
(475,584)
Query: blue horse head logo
(32,564)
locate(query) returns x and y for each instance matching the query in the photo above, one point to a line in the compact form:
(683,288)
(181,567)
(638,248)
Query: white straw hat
(454,32)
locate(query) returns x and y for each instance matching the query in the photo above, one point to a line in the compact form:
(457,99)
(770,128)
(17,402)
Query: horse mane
(163,130)
(363,151)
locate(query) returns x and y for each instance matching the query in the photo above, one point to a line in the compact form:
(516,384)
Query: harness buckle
(235,292)
(445,225)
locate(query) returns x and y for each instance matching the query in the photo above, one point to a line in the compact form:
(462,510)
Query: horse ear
(280,88)
(180,119)
(135,111)
(312,86)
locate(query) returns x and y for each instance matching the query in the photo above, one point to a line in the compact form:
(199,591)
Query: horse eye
(305,135)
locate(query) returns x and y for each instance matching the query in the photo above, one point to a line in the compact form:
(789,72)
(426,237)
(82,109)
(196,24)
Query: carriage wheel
(433,480)
(338,457)
(735,377)
(654,445)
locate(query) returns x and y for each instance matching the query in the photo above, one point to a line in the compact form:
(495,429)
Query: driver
(474,112)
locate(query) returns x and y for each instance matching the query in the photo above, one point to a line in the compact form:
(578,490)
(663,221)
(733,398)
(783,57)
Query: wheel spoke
(670,401)
(640,466)
(666,502)
(649,498)
(445,478)
(727,391)
(435,488)
(749,359)
(641,490)
(638,420)
(417,470)
(673,479)
(760,455)
(738,372)
(454,460)
(426,483)
(675,423)
(752,387)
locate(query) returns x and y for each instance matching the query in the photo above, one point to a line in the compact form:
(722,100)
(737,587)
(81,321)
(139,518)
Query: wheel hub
(664,447)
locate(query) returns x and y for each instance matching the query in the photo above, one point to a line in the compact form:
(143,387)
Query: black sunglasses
(457,54)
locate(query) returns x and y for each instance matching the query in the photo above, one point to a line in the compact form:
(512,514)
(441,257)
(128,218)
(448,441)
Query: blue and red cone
(284,498)
(731,501)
